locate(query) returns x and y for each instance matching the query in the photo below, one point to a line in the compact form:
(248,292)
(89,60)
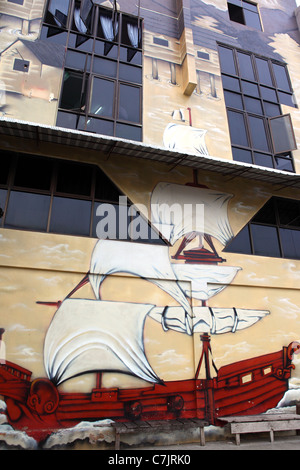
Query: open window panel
(282,134)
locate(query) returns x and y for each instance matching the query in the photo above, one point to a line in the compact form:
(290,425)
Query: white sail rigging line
(149,262)
(208,319)
(171,206)
(90,335)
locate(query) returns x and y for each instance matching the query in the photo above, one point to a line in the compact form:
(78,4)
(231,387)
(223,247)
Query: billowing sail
(204,281)
(207,319)
(91,335)
(176,211)
(149,262)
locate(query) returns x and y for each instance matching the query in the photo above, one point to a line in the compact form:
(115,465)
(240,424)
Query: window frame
(241,6)
(106,192)
(235,81)
(119,51)
(277,224)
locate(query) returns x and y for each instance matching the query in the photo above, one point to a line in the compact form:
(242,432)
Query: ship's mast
(208,382)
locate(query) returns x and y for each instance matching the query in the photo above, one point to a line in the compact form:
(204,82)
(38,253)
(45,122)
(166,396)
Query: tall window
(60,196)
(102,82)
(254,90)
(274,231)
(244,12)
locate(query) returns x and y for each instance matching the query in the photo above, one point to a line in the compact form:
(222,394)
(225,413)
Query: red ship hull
(247,387)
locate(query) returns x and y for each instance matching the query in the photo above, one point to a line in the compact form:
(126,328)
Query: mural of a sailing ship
(98,335)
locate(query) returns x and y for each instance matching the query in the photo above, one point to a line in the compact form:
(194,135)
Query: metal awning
(127,148)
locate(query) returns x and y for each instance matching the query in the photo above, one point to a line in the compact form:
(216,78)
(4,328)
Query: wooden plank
(244,428)
(262,417)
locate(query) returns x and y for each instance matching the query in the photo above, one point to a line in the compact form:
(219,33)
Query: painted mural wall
(128,341)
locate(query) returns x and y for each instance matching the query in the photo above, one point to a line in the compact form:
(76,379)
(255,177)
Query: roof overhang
(78,139)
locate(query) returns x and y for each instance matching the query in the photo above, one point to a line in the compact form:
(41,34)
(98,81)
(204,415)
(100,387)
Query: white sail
(204,281)
(90,335)
(176,211)
(190,139)
(149,262)
(207,319)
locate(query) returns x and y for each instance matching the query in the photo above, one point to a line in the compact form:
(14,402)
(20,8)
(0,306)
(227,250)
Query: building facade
(150,210)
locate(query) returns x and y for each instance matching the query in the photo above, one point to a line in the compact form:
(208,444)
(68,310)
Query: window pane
(80,42)
(131,33)
(252,19)
(227,61)
(129,103)
(265,240)
(105,189)
(233,100)
(107,49)
(107,28)
(284,164)
(127,54)
(249,6)
(245,66)
(130,74)
(27,210)
(268,94)
(258,133)
(98,126)
(230,83)
(263,71)
(289,212)
(282,134)
(77,60)
(281,77)
(74,178)
(70,216)
(33,172)
(54,35)
(241,155)
(263,159)
(290,240)
(3,194)
(73,93)
(267,214)
(237,128)
(5,162)
(57,13)
(250,89)
(271,109)
(236,13)
(253,105)
(129,132)
(78,24)
(105,67)
(286,98)
(241,243)
(110,221)
(102,101)
(67,120)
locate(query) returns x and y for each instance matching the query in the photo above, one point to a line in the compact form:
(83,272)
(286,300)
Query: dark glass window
(274,231)
(35,173)
(66,197)
(73,91)
(27,210)
(102,97)
(244,12)
(253,100)
(103,56)
(237,128)
(74,178)
(70,216)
